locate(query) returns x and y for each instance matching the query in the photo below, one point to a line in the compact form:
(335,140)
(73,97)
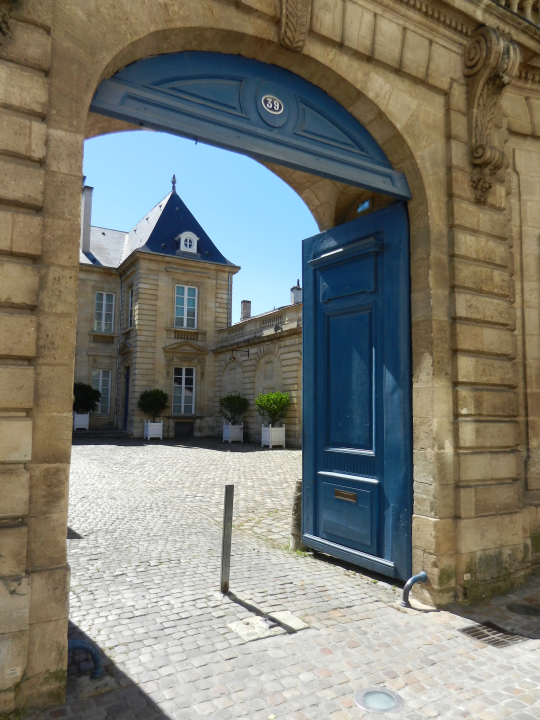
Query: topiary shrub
(153,402)
(273,407)
(232,407)
(85,398)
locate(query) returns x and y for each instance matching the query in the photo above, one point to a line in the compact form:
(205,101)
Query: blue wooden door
(357,445)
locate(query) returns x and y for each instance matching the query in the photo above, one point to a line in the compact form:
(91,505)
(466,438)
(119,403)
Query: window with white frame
(104,314)
(184,391)
(185,307)
(130,307)
(101,380)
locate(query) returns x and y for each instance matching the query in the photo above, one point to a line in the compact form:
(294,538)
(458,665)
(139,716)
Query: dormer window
(187,242)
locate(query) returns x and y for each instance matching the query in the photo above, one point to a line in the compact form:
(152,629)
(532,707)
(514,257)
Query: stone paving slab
(145,576)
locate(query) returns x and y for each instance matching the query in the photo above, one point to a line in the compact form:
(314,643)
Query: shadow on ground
(114,696)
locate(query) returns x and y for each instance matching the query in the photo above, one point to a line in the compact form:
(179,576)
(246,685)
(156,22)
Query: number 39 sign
(272,104)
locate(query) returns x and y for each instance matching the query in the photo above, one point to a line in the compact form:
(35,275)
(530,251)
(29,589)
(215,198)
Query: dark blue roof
(158,230)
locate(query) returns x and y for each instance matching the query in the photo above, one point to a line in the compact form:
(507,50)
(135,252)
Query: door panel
(357,428)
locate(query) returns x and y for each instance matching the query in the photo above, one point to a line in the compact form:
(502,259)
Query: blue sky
(253,217)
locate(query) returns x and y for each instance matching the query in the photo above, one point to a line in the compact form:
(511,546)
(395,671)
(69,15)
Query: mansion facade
(155,310)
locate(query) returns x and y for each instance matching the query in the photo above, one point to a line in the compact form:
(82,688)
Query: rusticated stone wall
(397,66)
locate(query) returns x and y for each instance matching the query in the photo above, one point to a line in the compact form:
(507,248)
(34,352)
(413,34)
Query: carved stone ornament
(295,19)
(6,8)
(491,63)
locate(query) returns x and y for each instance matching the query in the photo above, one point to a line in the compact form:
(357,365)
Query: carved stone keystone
(491,63)
(295,19)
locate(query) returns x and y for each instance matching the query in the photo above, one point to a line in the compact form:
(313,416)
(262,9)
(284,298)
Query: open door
(357,445)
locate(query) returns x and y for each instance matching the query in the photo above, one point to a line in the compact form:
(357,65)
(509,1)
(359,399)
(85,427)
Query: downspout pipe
(421,577)
(93,650)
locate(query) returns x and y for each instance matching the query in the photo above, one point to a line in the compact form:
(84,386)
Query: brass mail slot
(344,495)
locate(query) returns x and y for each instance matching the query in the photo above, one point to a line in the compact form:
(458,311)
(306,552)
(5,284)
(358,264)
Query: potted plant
(272,408)
(153,403)
(232,407)
(85,401)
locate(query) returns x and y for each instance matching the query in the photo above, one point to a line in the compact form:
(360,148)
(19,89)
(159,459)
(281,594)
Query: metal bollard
(227,537)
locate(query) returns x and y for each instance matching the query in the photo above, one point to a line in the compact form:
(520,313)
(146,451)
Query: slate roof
(155,233)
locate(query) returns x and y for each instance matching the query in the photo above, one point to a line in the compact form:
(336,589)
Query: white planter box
(233,433)
(272,436)
(153,430)
(81,421)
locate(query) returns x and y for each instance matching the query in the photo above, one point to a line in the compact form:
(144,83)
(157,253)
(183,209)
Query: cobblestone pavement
(144,587)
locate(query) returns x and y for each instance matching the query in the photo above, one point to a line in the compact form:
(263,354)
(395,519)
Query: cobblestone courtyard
(144,552)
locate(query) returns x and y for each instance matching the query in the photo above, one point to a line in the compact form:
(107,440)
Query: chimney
(86,217)
(296,294)
(245,309)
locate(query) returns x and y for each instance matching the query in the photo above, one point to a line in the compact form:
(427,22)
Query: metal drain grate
(492,635)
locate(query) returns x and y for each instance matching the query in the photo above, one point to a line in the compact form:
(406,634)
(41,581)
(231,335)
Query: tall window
(185,309)
(101,380)
(184,391)
(130,308)
(104,317)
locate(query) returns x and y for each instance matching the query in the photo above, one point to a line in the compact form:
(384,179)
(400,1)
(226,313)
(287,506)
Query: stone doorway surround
(398,67)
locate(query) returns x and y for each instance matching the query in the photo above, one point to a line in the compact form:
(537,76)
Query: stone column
(38,296)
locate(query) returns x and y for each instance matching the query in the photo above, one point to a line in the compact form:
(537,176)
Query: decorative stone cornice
(6,8)
(295,19)
(491,63)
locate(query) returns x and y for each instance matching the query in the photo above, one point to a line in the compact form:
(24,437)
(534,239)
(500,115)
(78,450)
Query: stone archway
(85,49)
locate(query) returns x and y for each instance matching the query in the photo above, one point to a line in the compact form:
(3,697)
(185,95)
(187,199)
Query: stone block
(457,153)
(61,242)
(358,28)
(49,486)
(483,466)
(458,127)
(482,308)
(415,54)
(14,605)
(474,534)
(441,570)
(13,556)
(23,90)
(15,439)
(485,370)
(19,284)
(327,18)
(65,152)
(482,339)
(63,195)
(444,66)
(17,336)
(27,45)
(496,499)
(14,652)
(54,389)
(534,110)
(497,402)
(21,184)
(17,385)
(22,137)
(26,237)
(59,290)
(486,433)
(516,111)
(387,41)
(432,535)
(52,436)
(37,12)
(14,493)
(47,542)
(457,96)
(49,595)
(47,647)
(472,276)
(56,339)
